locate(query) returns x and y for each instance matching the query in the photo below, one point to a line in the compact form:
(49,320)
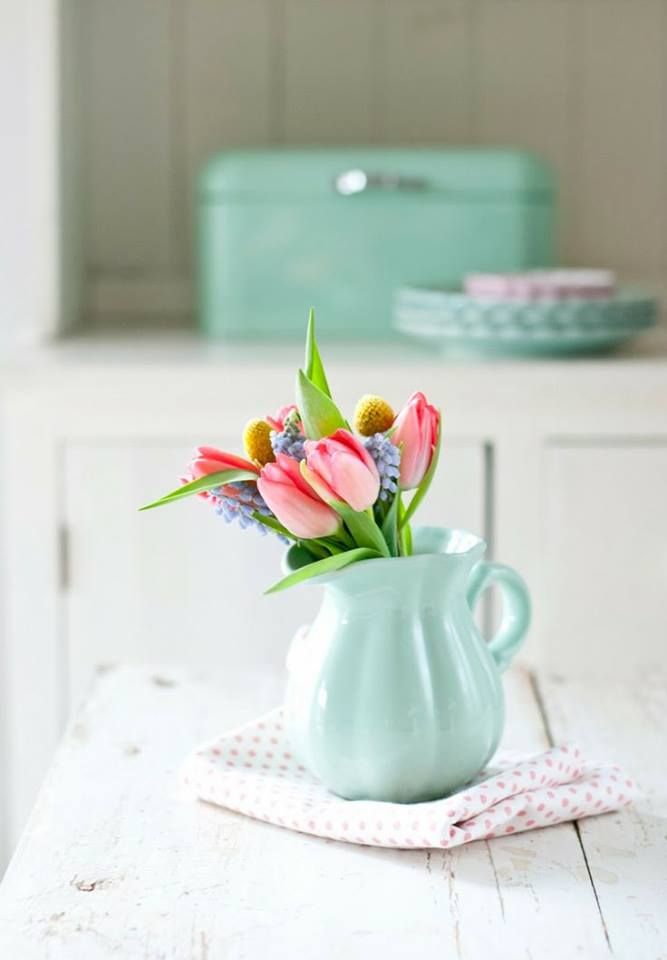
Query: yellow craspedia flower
(372,415)
(257,441)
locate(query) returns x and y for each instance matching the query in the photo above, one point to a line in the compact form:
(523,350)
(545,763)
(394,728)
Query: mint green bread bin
(342,230)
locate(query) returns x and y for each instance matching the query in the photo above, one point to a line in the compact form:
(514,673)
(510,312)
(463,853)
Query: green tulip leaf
(314,366)
(208,482)
(422,489)
(390,527)
(365,531)
(328,565)
(272,524)
(319,414)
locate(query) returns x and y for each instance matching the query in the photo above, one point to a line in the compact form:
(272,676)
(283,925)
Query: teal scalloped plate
(456,323)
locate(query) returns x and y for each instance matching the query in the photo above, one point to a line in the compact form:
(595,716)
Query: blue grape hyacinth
(387,458)
(289,441)
(242,506)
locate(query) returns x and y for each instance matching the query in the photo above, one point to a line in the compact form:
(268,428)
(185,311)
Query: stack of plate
(529,327)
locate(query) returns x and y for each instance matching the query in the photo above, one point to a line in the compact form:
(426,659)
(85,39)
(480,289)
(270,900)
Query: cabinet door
(605,557)
(177,584)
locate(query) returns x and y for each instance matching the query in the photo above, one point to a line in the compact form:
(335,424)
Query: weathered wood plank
(119,861)
(626,851)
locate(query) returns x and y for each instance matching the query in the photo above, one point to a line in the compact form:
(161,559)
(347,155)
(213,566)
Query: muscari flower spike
(240,507)
(387,458)
(290,439)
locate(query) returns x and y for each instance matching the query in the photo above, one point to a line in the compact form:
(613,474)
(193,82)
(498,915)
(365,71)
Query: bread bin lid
(387,171)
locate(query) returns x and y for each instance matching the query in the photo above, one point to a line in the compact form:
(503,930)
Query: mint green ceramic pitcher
(393,694)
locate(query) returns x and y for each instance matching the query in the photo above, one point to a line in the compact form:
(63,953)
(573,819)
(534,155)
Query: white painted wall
(167,83)
(29,194)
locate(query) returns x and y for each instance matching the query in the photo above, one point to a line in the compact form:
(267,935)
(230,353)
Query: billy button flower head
(311,479)
(257,441)
(372,415)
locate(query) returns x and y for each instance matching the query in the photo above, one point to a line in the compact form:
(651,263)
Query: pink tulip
(340,468)
(416,433)
(210,460)
(278,422)
(294,502)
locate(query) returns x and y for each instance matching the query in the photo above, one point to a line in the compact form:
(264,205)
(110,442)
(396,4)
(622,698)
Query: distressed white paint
(623,721)
(119,860)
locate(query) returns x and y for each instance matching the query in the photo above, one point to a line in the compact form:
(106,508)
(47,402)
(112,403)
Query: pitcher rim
(477,542)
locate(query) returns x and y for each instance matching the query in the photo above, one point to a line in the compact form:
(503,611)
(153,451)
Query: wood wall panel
(127,84)
(227,88)
(620,117)
(523,83)
(168,82)
(327,66)
(424,91)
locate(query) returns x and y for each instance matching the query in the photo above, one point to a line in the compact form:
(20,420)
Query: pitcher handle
(516,608)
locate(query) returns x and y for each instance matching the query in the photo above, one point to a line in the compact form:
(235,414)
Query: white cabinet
(562,467)
(177,584)
(605,556)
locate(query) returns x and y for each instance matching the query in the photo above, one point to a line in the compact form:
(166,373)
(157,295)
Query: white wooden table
(118,861)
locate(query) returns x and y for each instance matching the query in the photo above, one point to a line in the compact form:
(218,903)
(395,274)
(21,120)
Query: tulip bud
(294,502)
(340,468)
(416,433)
(211,460)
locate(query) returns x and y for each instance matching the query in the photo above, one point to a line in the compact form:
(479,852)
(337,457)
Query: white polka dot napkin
(251,770)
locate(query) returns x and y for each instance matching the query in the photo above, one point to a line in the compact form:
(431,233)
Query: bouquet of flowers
(311,478)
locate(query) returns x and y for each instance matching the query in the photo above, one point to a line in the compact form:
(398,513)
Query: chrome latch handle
(350,182)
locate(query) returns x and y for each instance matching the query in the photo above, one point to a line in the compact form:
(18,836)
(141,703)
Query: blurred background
(113,315)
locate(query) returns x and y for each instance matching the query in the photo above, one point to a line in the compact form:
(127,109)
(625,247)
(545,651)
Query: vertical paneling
(166,83)
(328,56)
(424,90)
(523,77)
(127,82)
(71,164)
(620,133)
(227,83)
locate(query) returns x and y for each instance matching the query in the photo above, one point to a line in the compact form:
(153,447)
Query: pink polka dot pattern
(253,771)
